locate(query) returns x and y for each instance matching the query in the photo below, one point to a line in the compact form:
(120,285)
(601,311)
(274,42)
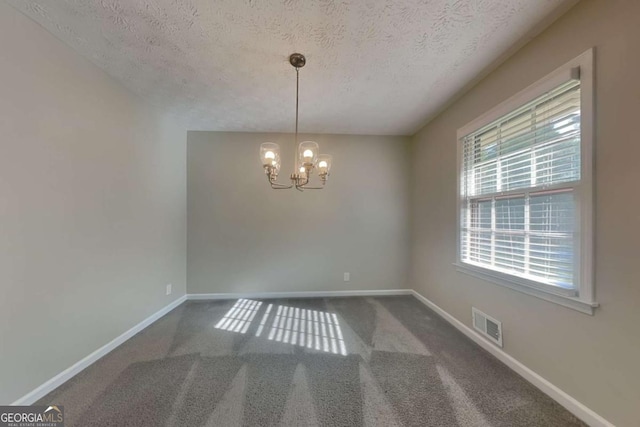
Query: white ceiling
(373,67)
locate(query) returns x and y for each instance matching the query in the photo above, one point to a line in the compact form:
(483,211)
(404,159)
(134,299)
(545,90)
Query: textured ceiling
(373,67)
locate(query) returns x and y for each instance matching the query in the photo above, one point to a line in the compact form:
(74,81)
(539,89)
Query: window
(526,191)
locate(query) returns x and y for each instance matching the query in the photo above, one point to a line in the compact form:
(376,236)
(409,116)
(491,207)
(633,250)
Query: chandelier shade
(324,163)
(308,152)
(269,153)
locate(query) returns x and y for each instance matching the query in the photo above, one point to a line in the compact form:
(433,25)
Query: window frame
(582,298)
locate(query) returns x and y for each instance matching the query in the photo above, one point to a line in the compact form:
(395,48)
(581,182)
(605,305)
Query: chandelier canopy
(307,159)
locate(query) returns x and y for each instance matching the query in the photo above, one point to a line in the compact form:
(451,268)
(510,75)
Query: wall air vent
(487,326)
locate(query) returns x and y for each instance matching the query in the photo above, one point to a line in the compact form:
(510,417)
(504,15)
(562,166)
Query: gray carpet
(386,361)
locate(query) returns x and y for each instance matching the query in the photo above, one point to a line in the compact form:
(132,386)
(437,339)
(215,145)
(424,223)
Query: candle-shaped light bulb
(308,154)
(270,155)
(322,164)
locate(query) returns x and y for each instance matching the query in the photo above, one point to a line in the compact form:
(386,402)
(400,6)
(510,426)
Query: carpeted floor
(387,361)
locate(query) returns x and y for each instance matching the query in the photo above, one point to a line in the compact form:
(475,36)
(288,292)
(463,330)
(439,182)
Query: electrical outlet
(169,289)
(347,277)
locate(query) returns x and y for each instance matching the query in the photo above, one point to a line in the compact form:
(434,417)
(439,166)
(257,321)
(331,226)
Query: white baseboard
(571,404)
(41,391)
(309,294)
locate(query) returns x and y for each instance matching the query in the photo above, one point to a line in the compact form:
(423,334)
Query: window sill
(563,300)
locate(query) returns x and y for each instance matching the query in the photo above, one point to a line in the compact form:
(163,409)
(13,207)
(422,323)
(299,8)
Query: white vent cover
(487,326)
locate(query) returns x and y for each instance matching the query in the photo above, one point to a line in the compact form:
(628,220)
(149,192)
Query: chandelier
(307,159)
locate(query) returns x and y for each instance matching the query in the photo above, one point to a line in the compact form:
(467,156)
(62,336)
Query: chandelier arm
(304,186)
(308,179)
(276,185)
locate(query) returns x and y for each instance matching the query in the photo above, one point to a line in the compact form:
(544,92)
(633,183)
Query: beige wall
(245,237)
(92,207)
(596,359)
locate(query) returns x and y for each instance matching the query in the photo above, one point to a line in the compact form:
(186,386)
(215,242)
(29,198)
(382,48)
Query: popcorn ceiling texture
(374,67)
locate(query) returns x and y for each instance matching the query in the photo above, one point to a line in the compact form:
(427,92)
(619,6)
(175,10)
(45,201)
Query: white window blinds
(518,187)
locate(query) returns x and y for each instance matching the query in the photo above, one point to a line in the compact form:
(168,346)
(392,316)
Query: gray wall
(92,207)
(594,359)
(245,237)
